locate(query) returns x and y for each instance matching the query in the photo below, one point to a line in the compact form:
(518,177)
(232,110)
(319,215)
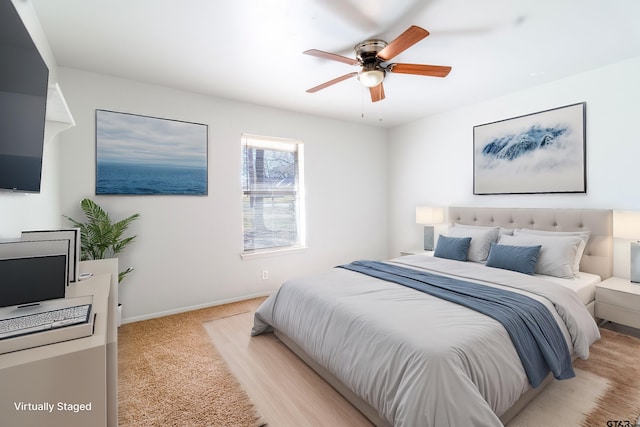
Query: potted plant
(100,237)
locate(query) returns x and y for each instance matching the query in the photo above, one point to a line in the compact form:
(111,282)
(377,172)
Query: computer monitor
(32,272)
(71,234)
(32,280)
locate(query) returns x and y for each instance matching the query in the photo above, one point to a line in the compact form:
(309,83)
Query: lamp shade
(626,225)
(429,215)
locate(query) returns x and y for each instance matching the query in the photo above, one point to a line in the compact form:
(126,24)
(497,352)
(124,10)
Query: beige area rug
(563,403)
(169,374)
(605,391)
(606,388)
(615,357)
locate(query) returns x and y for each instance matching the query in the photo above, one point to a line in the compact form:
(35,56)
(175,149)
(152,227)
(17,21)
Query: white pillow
(503,230)
(481,239)
(584,235)
(557,255)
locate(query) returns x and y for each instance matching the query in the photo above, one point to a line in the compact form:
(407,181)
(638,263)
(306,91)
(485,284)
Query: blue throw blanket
(533,330)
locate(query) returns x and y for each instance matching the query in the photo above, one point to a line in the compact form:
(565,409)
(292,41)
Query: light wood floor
(298,396)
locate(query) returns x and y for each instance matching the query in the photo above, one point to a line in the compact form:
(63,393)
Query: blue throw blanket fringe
(533,330)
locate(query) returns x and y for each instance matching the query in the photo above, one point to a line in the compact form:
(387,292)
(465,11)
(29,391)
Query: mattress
(584,285)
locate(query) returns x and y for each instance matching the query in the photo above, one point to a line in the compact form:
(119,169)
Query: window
(272,194)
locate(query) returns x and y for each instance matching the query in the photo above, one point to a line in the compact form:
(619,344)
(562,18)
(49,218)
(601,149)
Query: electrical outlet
(265,274)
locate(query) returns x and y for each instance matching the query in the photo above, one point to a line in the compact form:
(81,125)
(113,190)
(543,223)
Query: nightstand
(418,251)
(618,300)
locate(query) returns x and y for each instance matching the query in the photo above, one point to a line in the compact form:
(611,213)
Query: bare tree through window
(272,193)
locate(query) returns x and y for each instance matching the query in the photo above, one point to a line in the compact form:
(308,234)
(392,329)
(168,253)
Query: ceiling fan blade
(420,70)
(331,82)
(377,93)
(331,56)
(403,42)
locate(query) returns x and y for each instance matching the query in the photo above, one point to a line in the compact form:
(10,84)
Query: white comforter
(418,360)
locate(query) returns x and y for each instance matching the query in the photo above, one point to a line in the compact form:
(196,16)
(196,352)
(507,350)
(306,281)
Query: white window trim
(263,253)
(279,144)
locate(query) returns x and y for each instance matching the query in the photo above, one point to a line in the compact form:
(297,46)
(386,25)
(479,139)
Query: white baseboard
(193,307)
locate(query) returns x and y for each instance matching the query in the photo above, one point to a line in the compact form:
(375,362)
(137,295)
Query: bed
(408,358)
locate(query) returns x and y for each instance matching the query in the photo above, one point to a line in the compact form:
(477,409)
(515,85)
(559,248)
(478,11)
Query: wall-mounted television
(24,79)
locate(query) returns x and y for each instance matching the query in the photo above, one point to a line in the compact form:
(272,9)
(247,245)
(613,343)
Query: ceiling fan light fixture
(371,78)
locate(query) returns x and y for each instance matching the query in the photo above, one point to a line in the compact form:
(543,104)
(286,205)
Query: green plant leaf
(122,274)
(100,238)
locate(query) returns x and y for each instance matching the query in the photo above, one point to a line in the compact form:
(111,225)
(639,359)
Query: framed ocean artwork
(142,155)
(543,152)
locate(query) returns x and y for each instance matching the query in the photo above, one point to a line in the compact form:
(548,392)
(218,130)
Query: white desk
(71,376)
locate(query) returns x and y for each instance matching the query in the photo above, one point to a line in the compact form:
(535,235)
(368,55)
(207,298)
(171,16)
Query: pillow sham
(503,230)
(584,235)
(455,248)
(522,259)
(481,239)
(557,254)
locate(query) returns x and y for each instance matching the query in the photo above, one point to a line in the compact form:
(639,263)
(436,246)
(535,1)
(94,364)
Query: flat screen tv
(23,98)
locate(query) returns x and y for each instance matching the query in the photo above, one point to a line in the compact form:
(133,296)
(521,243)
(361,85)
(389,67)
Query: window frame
(276,144)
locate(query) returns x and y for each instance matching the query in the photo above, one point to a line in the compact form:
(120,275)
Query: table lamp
(428,216)
(626,225)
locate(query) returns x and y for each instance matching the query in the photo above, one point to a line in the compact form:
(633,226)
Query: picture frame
(543,152)
(143,155)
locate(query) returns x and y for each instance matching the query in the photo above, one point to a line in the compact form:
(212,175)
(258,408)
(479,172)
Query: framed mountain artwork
(543,152)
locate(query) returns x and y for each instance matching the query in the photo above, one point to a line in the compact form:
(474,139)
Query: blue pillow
(522,259)
(453,248)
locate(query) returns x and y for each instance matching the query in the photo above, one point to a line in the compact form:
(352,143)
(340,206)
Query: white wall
(431,160)
(188,248)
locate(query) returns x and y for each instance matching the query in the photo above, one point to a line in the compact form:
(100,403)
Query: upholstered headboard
(598,254)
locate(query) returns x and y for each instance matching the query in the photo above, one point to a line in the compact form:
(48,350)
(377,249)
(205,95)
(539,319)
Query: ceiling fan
(371,56)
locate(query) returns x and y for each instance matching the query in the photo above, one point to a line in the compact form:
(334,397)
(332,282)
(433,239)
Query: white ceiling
(251,50)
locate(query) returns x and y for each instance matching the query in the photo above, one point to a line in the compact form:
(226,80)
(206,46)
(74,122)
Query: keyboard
(37,322)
